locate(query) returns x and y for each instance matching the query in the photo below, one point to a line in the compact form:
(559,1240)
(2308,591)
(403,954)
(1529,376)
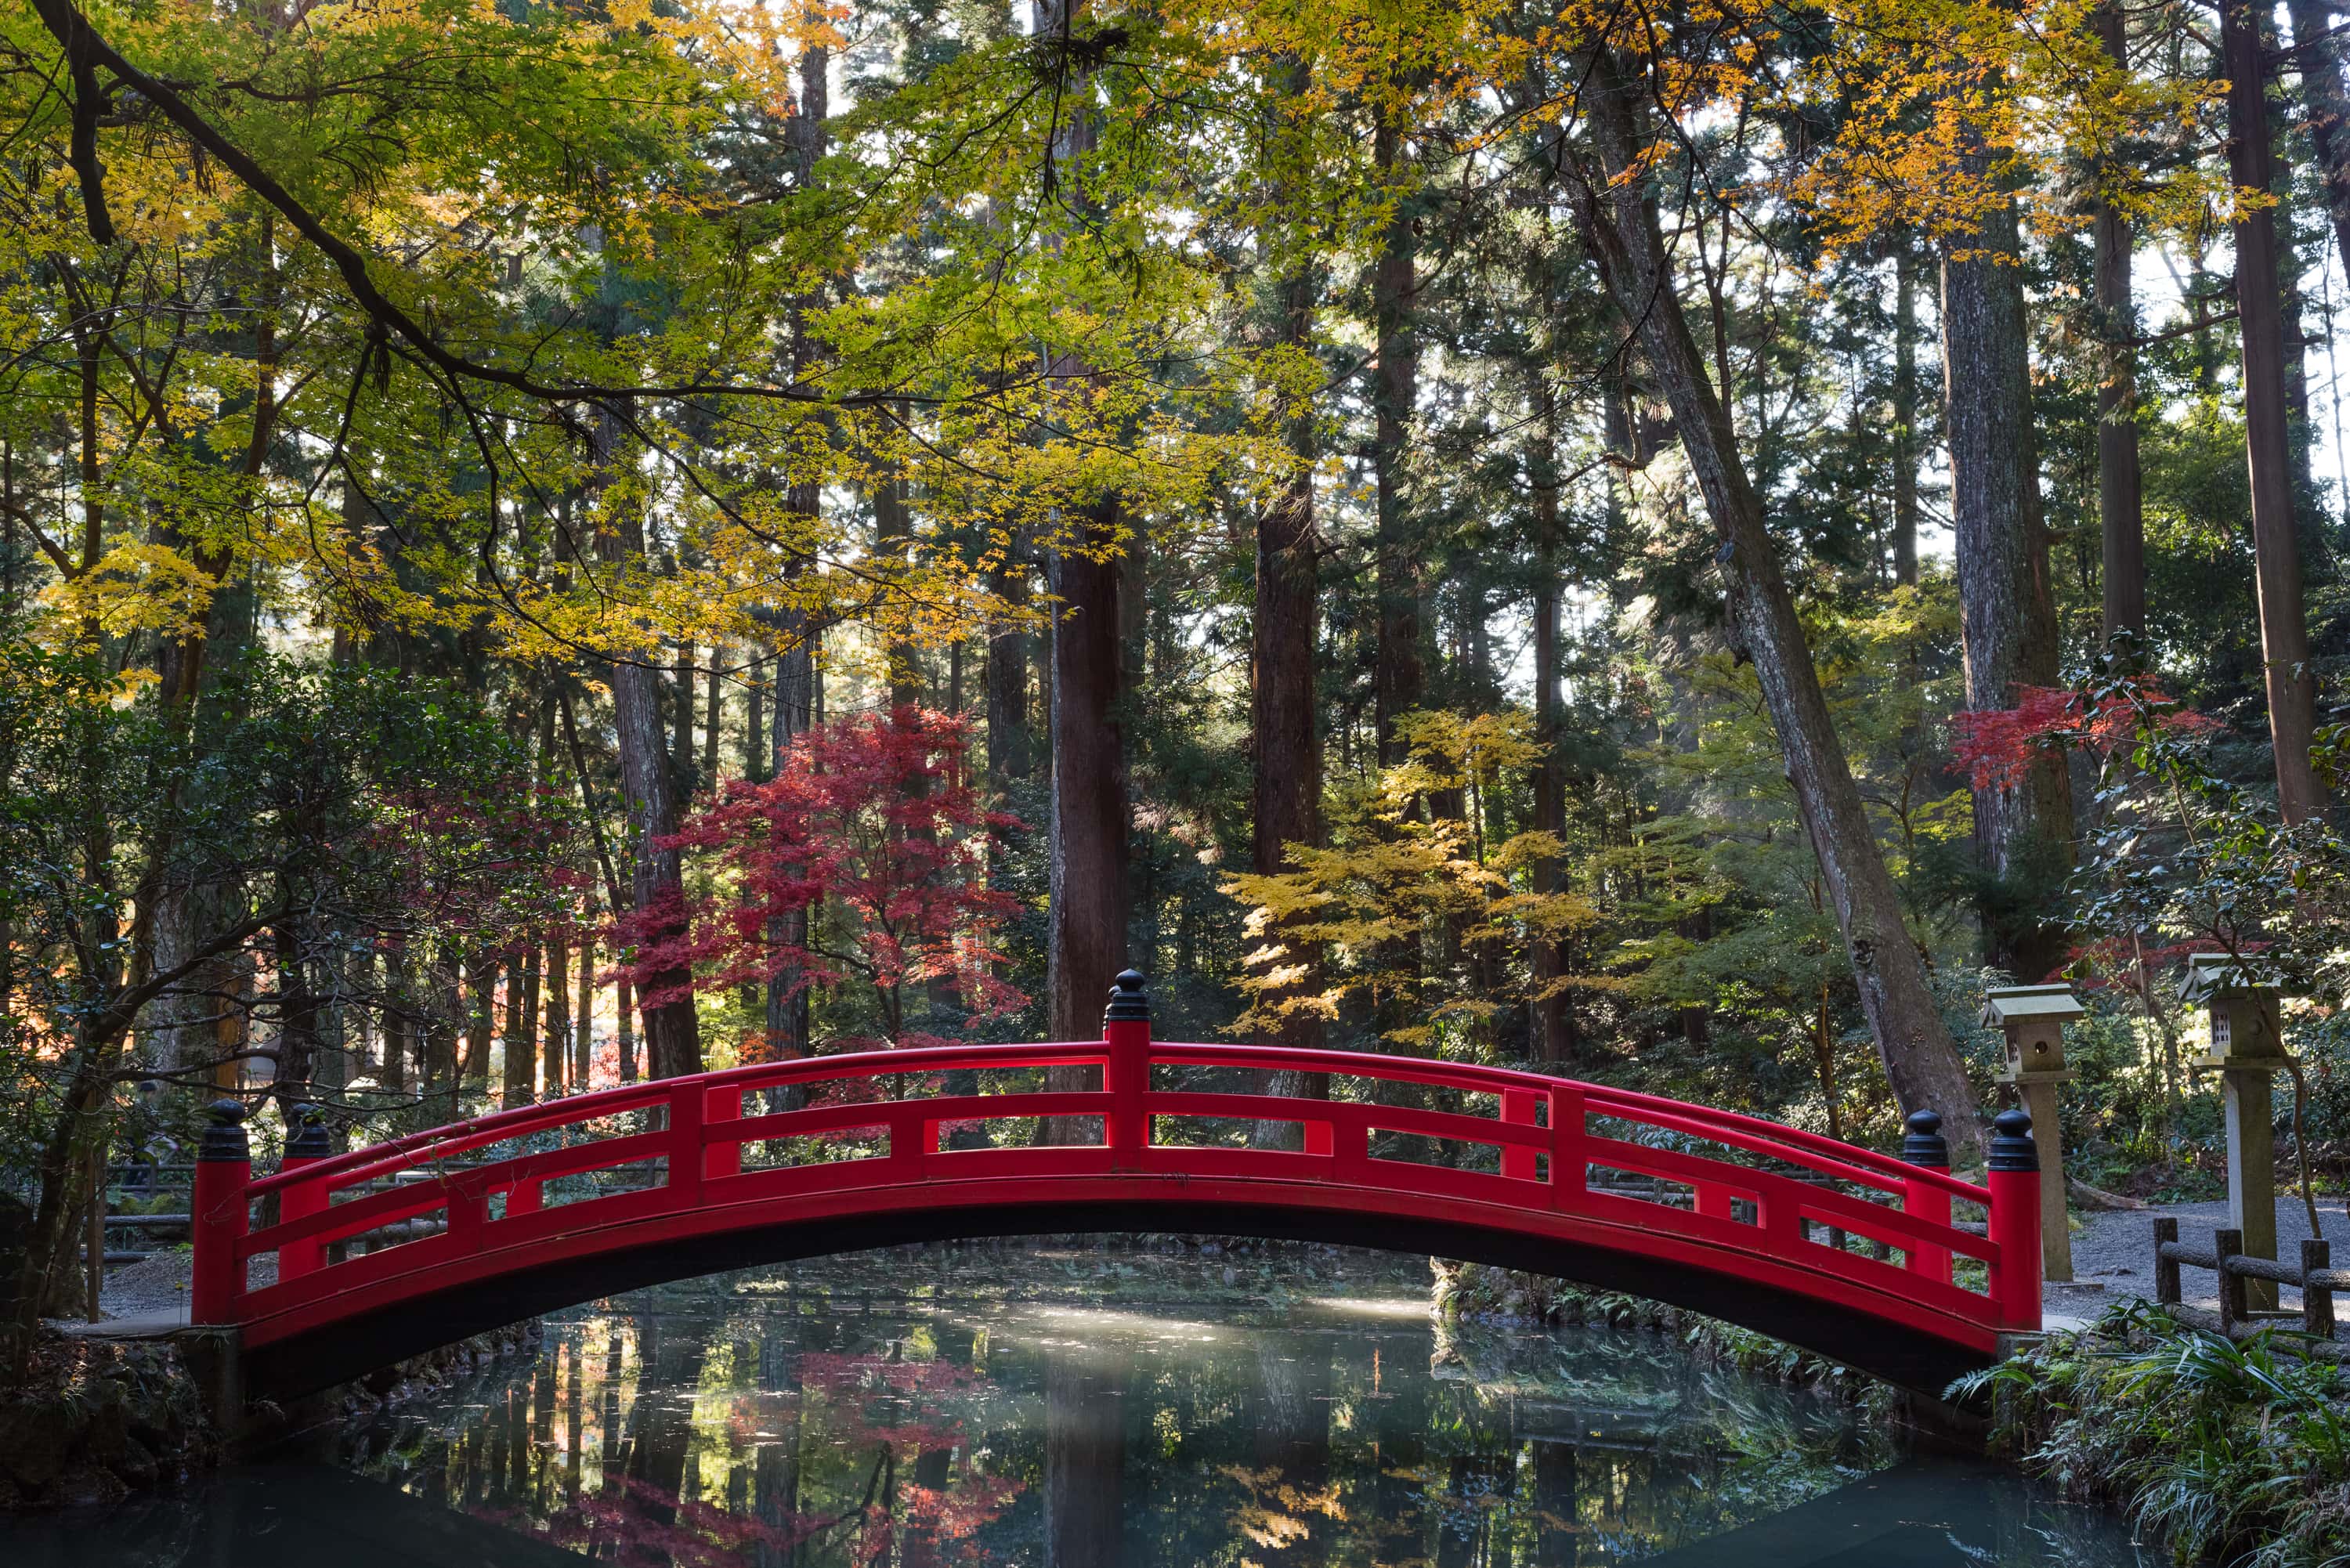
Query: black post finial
(1129,1003)
(225,1138)
(2012,1147)
(1923,1143)
(309,1139)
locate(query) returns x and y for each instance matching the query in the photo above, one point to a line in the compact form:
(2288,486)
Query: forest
(547,544)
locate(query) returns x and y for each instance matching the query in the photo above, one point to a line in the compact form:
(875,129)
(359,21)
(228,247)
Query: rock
(34,1442)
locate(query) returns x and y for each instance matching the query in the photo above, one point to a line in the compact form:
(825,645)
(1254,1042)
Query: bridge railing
(1745,1189)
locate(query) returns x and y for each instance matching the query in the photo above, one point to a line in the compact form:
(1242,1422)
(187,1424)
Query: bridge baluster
(307,1146)
(723,1104)
(2014,1177)
(1570,1172)
(1518,1110)
(1924,1146)
(685,1146)
(1126,1072)
(219,1216)
(468,1212)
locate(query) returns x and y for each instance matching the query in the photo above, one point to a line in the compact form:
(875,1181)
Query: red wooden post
(1924,1146)
(2014,1177)
(1126,1072)
(1518,1110)
(308,1146)
(223,1170)
(1570,1173)
(685,1103)
(723,1104)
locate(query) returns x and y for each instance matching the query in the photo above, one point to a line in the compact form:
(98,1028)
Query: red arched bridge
(1837,1249)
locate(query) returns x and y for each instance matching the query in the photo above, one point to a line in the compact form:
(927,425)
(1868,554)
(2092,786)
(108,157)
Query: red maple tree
(1999,745)
(871,820)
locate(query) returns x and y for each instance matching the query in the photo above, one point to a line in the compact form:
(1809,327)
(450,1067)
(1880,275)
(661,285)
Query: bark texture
(2260,310)
(2023,833)
(1086,920)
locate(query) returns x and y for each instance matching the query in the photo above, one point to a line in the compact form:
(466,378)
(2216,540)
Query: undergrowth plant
(2234,1452)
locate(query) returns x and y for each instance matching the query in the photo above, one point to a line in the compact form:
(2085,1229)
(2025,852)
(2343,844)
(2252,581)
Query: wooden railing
(2313,1276)
(1864,1227)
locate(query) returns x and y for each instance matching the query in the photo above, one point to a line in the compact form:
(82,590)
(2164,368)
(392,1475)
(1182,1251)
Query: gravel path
(2113,1253)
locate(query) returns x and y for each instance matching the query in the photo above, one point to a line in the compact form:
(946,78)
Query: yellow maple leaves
(1416,898)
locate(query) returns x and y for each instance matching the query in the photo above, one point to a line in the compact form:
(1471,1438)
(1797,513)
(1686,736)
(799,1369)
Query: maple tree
(1405,895)
(874,827)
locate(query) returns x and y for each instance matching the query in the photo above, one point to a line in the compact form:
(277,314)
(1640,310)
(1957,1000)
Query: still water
(1078,1408)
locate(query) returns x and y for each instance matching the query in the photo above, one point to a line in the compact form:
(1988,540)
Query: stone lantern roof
(2211,975)
(2015,1003)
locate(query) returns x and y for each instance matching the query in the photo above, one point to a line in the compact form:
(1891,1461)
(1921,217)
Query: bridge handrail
(1841,1161)
(1535,1117)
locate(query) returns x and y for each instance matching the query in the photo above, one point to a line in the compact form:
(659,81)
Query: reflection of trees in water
(1292,1507)
(1084,1458)
(806,1439)
(700,1446)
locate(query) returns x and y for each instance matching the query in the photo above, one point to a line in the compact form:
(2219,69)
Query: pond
(1080,1407)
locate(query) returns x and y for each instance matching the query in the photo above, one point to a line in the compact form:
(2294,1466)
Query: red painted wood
(1537,1140)
(1932,1205)
(299,1201)
(219,1211)
(2015,1237)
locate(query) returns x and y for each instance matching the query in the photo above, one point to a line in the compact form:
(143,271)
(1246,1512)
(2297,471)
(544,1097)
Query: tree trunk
(2120,512)
(556,1045)
(711,717)
(1088,904)
(2024,832)
(1286,786)
(583,1018)
(1400,679)
(2284,632)
(481,1000)
(624,1029)
(516,1081)
(1007,682)
(1086,918)
(1905,412)
(672,1029)
(788,1022)
(680,712)
(1549,780)
(297,1016)
(2327,109)
(1620,223)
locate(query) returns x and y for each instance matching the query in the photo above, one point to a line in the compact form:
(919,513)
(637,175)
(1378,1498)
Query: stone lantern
(2033,1017)
(2242,1002)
